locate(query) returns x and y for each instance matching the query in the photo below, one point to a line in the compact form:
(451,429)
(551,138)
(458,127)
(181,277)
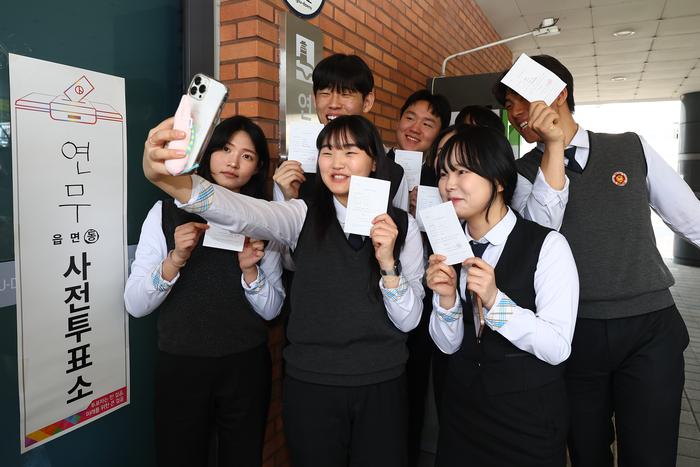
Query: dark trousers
(633,368)
(524,428)
(420,353)
(197,396)
(341,426)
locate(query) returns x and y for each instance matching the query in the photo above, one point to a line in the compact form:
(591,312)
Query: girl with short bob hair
(352,299)
(214,371)
(504,401)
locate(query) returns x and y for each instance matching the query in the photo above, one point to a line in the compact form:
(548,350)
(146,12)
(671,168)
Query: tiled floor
(686,293)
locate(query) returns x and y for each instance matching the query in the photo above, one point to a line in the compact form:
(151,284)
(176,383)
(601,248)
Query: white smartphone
(207,99)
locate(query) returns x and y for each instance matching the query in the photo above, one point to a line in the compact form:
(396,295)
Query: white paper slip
(445,233)
(302,144)
(411,162)
(533,81)
(367,199)
(428,196)
(215,237)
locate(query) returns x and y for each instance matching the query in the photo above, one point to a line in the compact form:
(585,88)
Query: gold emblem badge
(619,178)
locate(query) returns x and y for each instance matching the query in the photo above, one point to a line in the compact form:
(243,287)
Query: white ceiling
(661,60)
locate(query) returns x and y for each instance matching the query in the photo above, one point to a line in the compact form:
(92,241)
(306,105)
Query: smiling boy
(627,352)
(342,85)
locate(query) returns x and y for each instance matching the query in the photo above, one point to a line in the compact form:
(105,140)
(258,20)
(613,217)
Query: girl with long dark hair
(214,371)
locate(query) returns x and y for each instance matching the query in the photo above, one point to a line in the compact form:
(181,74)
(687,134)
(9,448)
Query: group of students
(369,314)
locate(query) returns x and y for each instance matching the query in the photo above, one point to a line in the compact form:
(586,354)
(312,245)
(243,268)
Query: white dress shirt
(282,221)
(141,297)
(546,334)
(669,196)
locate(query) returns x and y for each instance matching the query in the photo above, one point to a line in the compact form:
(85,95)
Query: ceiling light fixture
(623,33)
(619,78)
(548,27)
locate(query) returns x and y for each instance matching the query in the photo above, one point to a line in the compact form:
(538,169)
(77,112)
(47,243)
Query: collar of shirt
(580,140)
(497,237)
(340,213)
(498,233)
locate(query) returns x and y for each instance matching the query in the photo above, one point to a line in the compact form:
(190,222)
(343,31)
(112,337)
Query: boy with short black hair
(342,85)
(627,352)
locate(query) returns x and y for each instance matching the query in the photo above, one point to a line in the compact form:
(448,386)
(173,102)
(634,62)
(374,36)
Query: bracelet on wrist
(388,281)
(173,262)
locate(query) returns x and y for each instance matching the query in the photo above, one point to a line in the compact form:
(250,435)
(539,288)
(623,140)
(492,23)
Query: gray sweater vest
(337,334)
(608,226)
(206,313)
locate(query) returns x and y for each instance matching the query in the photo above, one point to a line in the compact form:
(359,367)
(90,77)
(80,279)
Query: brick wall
(404,43)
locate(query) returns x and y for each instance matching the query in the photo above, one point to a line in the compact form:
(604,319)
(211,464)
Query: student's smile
(518,109)
(417,128)
(331,104)
(338,165)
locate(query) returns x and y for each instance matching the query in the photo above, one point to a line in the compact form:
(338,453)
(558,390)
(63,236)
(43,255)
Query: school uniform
(504,401)
(214,369)
(344,395)
(627,357)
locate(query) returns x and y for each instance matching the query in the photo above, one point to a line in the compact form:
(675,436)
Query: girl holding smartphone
(214,370)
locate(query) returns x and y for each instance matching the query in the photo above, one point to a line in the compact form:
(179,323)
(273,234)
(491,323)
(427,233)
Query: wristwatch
(396,271)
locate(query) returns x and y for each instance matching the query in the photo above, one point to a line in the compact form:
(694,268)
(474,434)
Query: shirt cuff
(257,285)
(159,283)
(396,293)
(501,312)
(448,316)
(203,199)
(546,195)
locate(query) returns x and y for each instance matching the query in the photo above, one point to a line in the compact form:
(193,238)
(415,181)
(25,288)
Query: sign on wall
(69,173)
(301,48)
(305,8)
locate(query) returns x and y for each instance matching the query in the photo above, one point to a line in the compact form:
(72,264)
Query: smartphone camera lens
(197,80)
(193,91)
(202,89)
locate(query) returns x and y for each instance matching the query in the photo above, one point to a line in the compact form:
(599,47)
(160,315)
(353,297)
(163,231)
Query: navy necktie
(478,249)
(355,241)
(569,155)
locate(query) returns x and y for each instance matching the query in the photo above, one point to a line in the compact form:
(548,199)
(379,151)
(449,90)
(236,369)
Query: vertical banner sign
(69,168)
(301,48)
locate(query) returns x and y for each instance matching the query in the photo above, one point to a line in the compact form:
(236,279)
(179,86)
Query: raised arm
(155,155)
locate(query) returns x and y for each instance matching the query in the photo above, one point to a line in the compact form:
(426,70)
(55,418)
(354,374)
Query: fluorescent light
(619,78)
(623,33)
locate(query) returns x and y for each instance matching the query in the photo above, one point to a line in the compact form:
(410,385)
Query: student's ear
(374,166)
(369,102)
(499,187)
(560,101)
